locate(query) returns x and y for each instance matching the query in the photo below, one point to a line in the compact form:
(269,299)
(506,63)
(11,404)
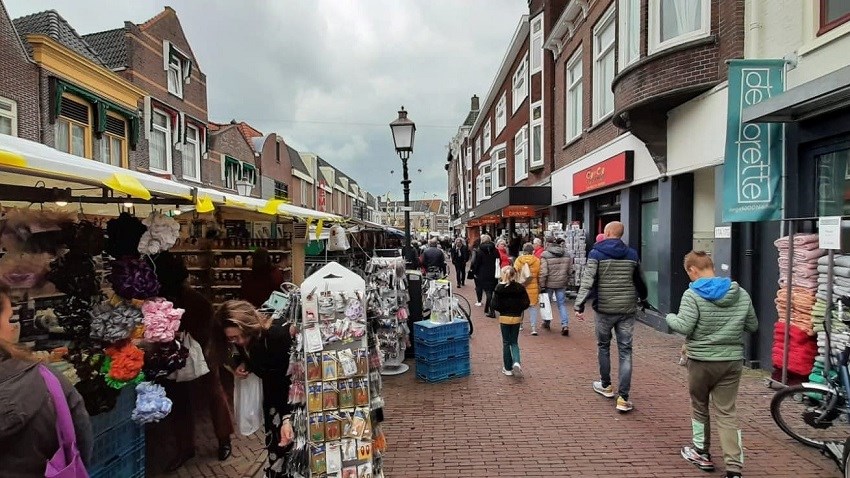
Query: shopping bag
(498,268)
(338,240)
(248,404)
(524,274)
(545,307)
(196,364)
(66,462)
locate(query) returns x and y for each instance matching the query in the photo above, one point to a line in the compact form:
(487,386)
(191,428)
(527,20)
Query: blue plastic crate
(123,407)
(127,465)
(444,351)
(115,442)
(430,333)
(443,370)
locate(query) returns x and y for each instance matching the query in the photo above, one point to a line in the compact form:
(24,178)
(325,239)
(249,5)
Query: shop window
(160,142)
(833,183)
(673,22)
(650,240)
(537,44)
(487,135)
(603,66)
(536,139)
(73,127)
(8,117)
(521,155)
(113,142)
(520,84)
(192,154)
(629,34)
(832,14)
(574,110)
(501,114)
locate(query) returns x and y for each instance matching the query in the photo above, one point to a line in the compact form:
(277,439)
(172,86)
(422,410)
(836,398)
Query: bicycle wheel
(804,414)
(461,304)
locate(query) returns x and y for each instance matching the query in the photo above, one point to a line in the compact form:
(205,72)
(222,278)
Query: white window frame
(654,27)
(303,192)
(468,159)
(468,192)
(477,149)
(520,84)
(628,33)
(487,179)
(536,53)
(488,136)
(573,94)
(11,114)
(175,65)
(499,163)
(501,114)
(168,143)
(601,54)
(536,123)
(521,154)
(196,147)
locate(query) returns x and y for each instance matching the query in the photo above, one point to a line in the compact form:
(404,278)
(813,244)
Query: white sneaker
(533,331)
(478,304)
(517,369)
(507,372)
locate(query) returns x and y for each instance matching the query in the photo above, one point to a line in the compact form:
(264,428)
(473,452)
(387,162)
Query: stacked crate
(442,350)
(119,443)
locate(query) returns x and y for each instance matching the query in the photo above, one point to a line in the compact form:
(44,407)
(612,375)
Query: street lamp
(404,130)
(244,186)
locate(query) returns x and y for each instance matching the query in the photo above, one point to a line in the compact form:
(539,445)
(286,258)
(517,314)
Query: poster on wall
(752,170)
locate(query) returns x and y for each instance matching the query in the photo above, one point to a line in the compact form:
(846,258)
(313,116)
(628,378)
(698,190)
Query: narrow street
(550,423)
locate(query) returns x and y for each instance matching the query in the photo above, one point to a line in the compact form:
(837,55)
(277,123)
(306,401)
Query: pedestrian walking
(460,256)
(504,258)
(485,268)
(713,315)
(432,259)
(613,274)
(510,300)
(538,247)
(555,268)
(532,287)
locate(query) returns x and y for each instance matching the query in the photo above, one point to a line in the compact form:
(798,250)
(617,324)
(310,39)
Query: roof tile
(51,24)
(111,45)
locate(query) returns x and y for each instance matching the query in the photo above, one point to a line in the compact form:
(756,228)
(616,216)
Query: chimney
(475,106)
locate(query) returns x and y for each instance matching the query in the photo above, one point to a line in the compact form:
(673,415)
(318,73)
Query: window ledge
(536,167)
(180,97)
(193,180)
(159,171)
(573,141)
(824,37)
(600,122)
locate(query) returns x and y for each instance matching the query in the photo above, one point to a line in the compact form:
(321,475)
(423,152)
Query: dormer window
(178,68)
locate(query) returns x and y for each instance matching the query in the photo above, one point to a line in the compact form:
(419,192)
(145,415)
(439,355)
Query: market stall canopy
(265,206)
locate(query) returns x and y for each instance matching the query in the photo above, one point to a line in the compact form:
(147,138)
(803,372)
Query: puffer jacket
(713,315)
(555,268)
(532,287)
(28,420)
(613,277)
(510,301)
(484,266)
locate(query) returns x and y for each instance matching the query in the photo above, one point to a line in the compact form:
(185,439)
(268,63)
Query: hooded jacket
(28,420)
(713,315)
(484,266)
(555,268)
(613,277)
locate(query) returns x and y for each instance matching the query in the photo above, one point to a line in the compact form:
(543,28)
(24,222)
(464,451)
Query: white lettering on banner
(754,143)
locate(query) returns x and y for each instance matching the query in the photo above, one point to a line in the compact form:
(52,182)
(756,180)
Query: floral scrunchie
(161,320)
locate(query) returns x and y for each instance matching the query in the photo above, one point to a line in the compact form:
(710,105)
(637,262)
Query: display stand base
(395,369)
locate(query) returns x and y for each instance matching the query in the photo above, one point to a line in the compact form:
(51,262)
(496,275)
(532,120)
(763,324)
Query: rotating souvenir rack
(336,381)
(386,303)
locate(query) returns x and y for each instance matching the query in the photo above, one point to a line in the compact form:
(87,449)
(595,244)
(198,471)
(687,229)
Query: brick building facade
(19,106)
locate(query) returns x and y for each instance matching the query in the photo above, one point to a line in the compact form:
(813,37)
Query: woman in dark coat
(263,279)
(484,270)
(460,256)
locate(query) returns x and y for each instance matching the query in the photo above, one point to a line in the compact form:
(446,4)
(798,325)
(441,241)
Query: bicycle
(459,305)
(823,408)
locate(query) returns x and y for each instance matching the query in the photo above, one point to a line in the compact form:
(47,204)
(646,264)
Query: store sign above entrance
(611,172)
(473,223)
(526,212)
(752,171)
(491,219)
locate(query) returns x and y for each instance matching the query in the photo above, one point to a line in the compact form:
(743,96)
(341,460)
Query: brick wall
(18,78)
(274,162)
(229,141)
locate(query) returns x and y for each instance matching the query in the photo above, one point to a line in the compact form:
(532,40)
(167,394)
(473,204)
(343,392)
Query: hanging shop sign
(519,212)
(613,171)
(752,171)
(473,223)
(491,219)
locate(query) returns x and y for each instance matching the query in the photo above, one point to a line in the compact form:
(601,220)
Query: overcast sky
(330,75)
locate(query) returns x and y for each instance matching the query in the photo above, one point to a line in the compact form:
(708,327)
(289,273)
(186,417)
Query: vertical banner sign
(752,171)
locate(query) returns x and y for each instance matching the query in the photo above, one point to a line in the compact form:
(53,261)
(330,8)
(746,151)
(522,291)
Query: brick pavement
(551,424)
(548,424)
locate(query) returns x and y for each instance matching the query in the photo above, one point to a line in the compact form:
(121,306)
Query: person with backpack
(528,272)
(556,265)
(510,300)
(714,315)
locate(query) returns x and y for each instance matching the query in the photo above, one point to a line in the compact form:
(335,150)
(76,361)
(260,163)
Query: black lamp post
(404,130)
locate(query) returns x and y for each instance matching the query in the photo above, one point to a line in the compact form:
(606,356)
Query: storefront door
(649,240)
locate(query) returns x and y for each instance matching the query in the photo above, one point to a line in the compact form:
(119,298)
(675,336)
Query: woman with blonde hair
(532,286)
(263,349)
(510,300)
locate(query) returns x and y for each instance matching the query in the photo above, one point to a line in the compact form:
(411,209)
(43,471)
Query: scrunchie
(126,361)
(133,279)
(164,358)
(161,320)
(162,233)
(124,234)
(151,403)
(74,274)
(73,315)
(112,324)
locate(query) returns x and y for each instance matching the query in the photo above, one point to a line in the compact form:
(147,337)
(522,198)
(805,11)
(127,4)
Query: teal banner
(752,176)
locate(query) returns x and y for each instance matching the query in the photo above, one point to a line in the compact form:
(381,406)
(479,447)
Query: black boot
(224,450)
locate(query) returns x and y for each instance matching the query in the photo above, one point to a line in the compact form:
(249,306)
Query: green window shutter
(99,117)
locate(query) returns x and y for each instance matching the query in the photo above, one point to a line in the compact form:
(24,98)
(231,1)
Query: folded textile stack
(818,312)
(802,349)
(804,263)
(840,339)
(802,303)
(840,279)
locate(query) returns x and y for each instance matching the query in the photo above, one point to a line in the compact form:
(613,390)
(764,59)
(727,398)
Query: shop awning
(536,197)
(266,206)
(817,97)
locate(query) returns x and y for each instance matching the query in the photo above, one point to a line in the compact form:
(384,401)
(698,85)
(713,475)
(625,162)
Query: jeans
(510,345)
(623,326)
(533,311)
(561,298)
(489,298)
(460,272)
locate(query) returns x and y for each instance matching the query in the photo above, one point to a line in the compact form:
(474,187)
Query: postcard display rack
(337,420)
(386,299)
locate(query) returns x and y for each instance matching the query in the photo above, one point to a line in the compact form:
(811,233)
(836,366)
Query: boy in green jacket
(714,314)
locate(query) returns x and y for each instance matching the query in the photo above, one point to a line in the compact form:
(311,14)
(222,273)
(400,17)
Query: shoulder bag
(66,462)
